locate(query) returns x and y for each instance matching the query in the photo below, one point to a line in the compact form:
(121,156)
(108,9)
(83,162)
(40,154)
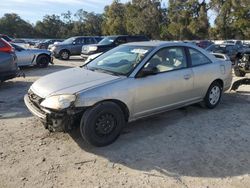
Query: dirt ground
(189,147)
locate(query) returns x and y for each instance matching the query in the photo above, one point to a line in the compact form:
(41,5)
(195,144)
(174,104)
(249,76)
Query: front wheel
(213,95)
(102,124)
(64,55)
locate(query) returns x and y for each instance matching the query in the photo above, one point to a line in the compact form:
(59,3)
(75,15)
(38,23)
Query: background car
(52,45)
(231,50)
(204,43)
(242,65)
(108,43)
(38,57)
(8,61)
(45,44)
(72,46)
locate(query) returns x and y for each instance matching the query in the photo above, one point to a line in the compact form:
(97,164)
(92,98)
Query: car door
(77,46)
(24,57)
(171,86)
(204,71)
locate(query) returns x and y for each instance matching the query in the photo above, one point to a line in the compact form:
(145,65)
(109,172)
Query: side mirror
(147,71)
(74,43)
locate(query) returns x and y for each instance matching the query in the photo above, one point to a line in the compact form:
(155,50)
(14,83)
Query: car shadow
(33,71)
(11,99)
(192,141)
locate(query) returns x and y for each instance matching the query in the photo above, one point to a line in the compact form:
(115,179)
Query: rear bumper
(9,75)
(55,54)
(84,56)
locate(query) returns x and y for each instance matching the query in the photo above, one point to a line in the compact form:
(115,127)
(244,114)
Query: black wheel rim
(43,61)
(105,124)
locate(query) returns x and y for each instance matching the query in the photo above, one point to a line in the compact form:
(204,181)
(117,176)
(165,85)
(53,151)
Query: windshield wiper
(104,71)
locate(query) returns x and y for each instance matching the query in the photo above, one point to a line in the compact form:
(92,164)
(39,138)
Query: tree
(88,23)
(233,18)
(188,19)
(50,27)
(13,25)
(114,19)
(144,17)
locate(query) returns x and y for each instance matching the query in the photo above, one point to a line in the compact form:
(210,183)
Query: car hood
(39,51)
(70,81)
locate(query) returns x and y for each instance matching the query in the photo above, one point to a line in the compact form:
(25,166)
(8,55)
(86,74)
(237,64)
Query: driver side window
(168,59)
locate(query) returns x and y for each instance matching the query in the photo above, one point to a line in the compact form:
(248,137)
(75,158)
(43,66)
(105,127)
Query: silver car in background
(129,82)
(27,57)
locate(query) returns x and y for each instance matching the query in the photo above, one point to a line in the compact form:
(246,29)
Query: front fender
(119,91)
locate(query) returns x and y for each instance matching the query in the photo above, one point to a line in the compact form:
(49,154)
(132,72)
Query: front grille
(35,99)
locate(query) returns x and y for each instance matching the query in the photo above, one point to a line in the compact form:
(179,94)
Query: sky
(34,10)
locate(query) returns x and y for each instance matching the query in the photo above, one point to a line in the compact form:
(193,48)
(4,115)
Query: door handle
(187,76)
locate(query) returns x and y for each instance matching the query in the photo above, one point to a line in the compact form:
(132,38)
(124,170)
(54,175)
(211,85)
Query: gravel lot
(189,147)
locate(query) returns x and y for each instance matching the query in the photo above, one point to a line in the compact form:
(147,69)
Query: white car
(26,57)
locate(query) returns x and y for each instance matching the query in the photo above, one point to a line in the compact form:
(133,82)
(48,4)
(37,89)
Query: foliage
(14,26)
(180,20)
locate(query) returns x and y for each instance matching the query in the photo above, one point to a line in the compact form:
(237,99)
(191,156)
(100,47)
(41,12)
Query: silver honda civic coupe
(129,82)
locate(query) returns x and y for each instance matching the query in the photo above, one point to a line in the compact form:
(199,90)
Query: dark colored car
(6,38)
(72,46)
(108,43)
(242,64)
(45,44)
(231,50)
(8,61)
(204,43)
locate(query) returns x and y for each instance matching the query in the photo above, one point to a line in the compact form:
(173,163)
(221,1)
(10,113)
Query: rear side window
(1,44)
(98,39)
(89,40)
(197,58)
(6,38)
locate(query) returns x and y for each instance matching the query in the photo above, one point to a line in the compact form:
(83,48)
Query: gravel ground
(189,147)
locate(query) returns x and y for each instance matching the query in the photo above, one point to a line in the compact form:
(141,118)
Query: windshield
(69,40)
(17,47)
(119,61)
(46,41)
(107,40)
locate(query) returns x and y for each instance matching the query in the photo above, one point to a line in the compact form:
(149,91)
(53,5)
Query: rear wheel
(101,125)
(213,95)
(42,61)
(64,54)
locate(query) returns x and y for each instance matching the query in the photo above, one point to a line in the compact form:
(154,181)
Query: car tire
(213,96)
(42,61)
(102,124)
(238,72)
(64,54)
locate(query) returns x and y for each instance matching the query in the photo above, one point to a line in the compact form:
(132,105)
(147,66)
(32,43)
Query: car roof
(160,43)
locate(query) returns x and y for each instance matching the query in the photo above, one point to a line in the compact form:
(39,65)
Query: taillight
(5,46)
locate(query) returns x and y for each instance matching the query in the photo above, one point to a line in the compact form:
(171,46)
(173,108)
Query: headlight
(92,48)
(53,48)
(58,102)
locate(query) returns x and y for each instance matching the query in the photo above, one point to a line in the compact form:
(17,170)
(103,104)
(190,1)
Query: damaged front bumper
(53,121)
